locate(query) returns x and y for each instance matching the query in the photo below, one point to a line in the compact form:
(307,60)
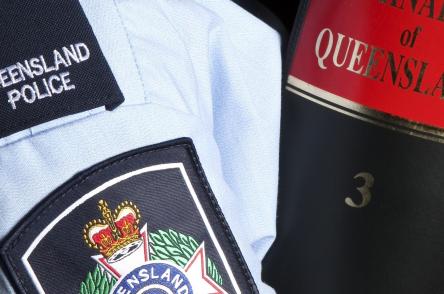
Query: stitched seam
(204,182)
(193,72)
(220,216)
(139,73)
(64,124)
(70,107)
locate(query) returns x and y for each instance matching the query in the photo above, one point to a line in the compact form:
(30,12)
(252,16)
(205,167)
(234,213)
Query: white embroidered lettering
(28,94)
(54,85)
(82,51)
(13,96)
(35,67)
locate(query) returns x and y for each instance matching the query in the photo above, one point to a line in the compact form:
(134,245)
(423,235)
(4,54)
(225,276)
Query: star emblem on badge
(196,272)
(125,256)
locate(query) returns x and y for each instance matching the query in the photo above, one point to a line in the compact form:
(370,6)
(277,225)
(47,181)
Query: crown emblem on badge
(115,230)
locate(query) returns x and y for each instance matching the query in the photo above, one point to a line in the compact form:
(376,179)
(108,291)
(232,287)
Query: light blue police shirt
(207,70)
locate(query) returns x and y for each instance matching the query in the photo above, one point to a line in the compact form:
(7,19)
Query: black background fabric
(283,12)
(392,246)
(164,203)
(284,9)
(33,28)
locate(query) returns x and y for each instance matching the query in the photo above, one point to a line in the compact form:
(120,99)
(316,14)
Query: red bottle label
(381,61)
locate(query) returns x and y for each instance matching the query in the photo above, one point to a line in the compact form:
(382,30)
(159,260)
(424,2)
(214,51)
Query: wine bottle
(361,202)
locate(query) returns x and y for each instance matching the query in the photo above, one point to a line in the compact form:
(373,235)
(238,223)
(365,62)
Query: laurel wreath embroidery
(164,245)
(178,248)
(97,282)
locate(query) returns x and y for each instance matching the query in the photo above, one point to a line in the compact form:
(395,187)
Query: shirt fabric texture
(207,70)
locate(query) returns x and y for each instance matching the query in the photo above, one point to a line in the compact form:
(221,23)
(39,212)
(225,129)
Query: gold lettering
(364,190)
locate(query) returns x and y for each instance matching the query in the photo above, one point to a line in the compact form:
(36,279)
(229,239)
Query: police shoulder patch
(143,222)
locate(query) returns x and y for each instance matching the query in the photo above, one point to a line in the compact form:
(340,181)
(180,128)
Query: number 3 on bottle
(364,190)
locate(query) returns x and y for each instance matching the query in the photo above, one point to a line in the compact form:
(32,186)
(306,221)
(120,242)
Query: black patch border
(30,219)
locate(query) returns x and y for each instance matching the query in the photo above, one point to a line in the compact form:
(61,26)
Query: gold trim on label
(356,110)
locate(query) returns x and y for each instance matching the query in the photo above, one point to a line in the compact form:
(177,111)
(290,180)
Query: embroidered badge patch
(142,222)
(51,64)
